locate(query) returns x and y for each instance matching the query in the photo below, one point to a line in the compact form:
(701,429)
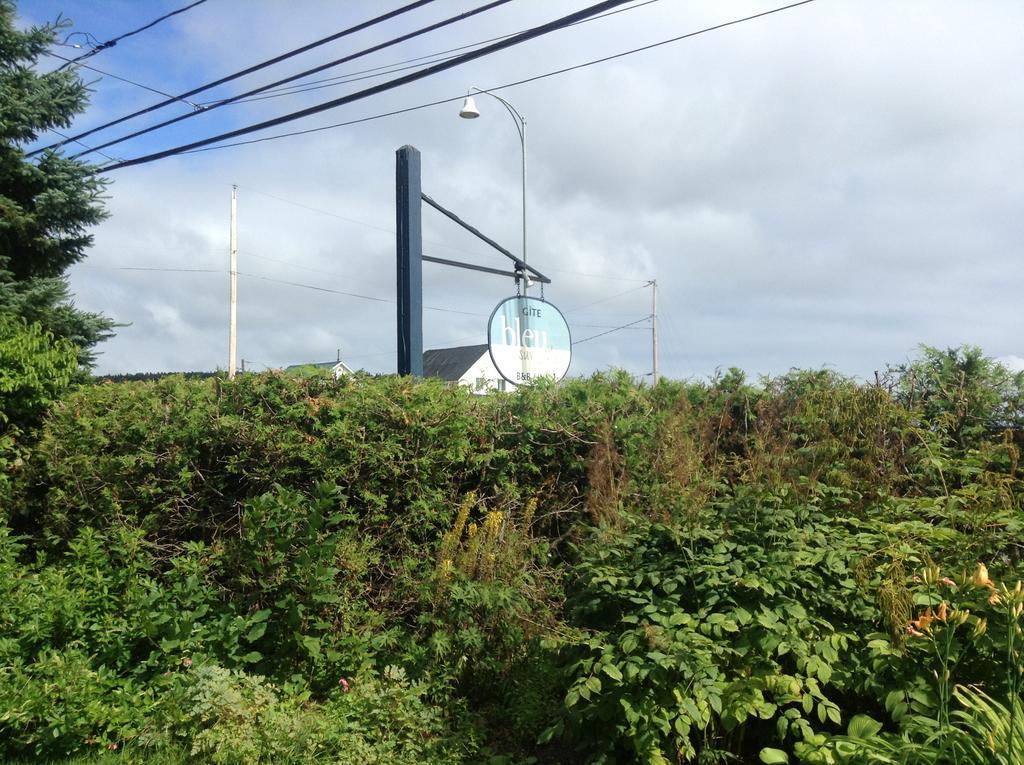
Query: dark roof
(451,363)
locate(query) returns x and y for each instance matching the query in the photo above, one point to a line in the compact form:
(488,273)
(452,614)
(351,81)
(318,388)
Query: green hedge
(689,572)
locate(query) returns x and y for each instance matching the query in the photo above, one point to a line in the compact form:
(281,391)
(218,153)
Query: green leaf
(612,671)
(631,714)
(892,699)
(773,756)
(863,727)
(312,645)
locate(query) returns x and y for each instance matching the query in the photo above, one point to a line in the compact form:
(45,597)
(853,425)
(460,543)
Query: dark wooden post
(409,231)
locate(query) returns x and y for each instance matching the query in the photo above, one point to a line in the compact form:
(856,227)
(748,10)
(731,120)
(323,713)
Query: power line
(329,290)
(114,41)
(522,37)
(606,299)
(155,268)
(316,288)
(604,326)
(400,66)
(112,159)
(614,329)
(392,231)
(276,281)
(91,40)
(299,284)
(350,294)
(248,70)
(385,229)
(606,277)
(292,264)
(346,80)
(114,77)
(319,210)
(513,84)
(350,57)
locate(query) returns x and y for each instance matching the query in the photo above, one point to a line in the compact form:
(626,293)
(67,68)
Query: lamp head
(469,110)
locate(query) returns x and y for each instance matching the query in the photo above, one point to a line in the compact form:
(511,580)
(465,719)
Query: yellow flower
(980,577)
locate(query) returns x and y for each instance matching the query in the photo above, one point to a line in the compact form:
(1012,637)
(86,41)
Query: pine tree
(46,204)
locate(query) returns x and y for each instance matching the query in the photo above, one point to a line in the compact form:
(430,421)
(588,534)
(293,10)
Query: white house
(468,365)
(337,368)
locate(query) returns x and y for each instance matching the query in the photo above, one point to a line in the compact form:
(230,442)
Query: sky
(830,186)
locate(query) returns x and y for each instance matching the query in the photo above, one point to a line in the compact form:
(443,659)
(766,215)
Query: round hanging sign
(529,339)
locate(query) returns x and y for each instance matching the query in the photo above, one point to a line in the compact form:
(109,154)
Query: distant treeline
(151,376)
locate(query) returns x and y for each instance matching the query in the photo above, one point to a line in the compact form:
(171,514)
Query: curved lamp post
(470,112)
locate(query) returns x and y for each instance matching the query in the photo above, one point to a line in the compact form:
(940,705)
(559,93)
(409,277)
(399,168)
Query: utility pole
(233,320)
(654,328)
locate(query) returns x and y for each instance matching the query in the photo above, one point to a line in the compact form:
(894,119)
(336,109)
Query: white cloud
(1013,363)
(830,185)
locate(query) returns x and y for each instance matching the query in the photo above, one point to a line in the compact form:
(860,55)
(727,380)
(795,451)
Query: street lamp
(470,112)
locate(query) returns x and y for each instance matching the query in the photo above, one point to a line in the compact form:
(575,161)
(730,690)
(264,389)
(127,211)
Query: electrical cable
(400,66)
(522,37)
(293,264)
(112,159)
(276,281)
(314,287)
(115,77)
(348,294)
(426,242)
(330,64)
(452,99)
(616,329)
(114,41)
(304,286)
(606,277)
(248,70)
(318,210)
(155,268)
(90,39)
(604,326)
(347,80)
(606,299)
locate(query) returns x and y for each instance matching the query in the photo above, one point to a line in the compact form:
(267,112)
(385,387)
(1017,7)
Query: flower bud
(980,628)
(980,577)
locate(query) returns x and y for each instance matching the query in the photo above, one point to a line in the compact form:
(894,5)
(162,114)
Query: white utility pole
(654,328)
(233,321)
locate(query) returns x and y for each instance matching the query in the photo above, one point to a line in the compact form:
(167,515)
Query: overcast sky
(831,185)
